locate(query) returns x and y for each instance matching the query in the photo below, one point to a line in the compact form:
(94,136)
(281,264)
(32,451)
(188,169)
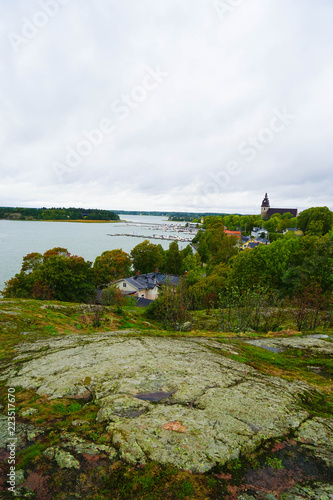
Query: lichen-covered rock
(221,408)
(317,491)
(315,343)
(117,407)
(317,433)
(79,422)
(64,459)
(81,446)
(23,433)
(26,412)
(19,477)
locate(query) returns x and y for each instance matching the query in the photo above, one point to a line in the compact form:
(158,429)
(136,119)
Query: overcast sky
(182,105)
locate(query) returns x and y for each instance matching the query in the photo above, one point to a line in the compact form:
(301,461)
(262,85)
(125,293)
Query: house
(253,243)
(267,211)
(233,233)
(262,241)
(294,230)
(145,286)
(257,232)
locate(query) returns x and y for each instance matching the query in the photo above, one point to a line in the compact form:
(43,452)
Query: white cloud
(226,76)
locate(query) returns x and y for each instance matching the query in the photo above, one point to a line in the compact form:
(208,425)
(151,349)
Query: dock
(169,237)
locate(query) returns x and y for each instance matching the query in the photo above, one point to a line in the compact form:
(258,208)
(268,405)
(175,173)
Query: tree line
(21,213)
(58,275)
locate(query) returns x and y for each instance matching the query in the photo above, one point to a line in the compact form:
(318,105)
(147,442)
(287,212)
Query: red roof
(233,233)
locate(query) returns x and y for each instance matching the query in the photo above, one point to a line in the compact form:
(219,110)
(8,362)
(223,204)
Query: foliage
(98,313)
(112,296)
(171,307)
(279,266)
(42,291)
(204,293)
(56,274)
(274,462)
(243,309)
(111,266)
(58,214)
(316,221)
(307,304)
(244,223)
(146,257)
(214,246)
(173,264)
(192,266)
(273,223)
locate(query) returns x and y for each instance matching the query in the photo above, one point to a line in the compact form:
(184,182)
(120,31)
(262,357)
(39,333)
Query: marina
(179,228)
(165,232)
(168,237)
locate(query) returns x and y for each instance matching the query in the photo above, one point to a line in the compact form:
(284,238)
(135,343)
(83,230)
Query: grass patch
(292,364)
(30,455)
(61,409)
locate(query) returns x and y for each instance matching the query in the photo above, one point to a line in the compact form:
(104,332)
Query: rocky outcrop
(169,400)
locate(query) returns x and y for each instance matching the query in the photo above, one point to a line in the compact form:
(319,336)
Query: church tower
(265,206)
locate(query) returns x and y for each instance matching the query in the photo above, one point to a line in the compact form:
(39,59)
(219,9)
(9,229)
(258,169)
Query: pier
(168,237)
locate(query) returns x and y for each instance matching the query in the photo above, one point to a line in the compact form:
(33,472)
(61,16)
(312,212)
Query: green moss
(30,454)
(60,408)
(317,404)
(274,462)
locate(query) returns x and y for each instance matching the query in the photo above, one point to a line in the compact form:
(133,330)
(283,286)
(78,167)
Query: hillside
(108,405)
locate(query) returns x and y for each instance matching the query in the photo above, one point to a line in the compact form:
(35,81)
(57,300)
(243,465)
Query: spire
(265,202)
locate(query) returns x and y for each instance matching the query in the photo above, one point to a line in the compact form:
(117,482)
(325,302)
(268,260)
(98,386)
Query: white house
(257,232)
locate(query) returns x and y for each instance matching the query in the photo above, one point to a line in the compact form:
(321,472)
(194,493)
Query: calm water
(18,238)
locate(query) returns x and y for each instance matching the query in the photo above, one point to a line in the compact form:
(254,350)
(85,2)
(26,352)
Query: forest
(20,213)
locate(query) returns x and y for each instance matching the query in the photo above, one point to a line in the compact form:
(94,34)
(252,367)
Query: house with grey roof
(145,286)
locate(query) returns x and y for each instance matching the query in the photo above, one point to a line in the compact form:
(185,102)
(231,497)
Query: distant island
(89,214)
(57,214)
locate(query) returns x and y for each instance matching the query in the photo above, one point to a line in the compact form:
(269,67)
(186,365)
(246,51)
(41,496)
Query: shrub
(171,307)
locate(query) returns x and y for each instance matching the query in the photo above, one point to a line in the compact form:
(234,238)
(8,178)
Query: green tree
(111,296)
(203,251)
(192,266)
(111,266)
(204,294)
(69,277)
(146,257)
(316,220)
(273,223)
(174,259)
(188,250)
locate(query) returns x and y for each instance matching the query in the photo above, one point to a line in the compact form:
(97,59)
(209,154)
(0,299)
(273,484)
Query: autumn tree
(111,265)
(172,306)
(56,274)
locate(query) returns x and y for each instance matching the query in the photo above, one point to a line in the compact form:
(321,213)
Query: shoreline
(82,221)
